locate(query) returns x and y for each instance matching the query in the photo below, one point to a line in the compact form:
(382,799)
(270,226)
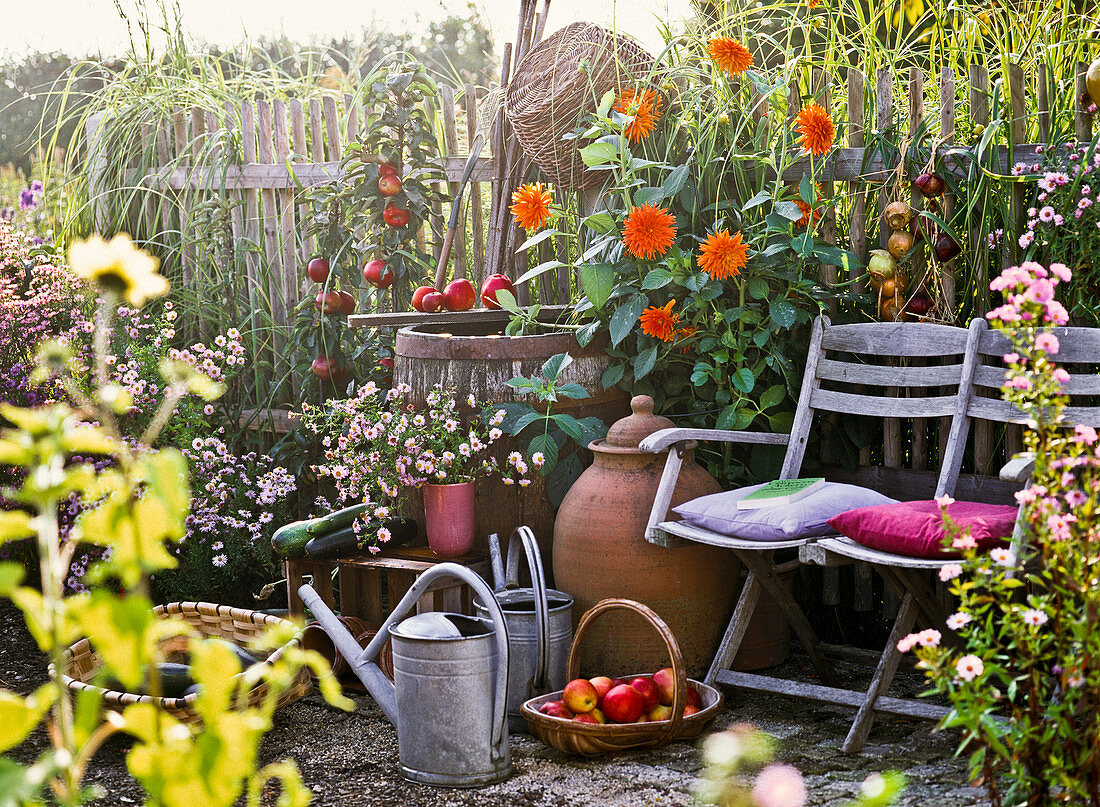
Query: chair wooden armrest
(1019,468)
(660,440)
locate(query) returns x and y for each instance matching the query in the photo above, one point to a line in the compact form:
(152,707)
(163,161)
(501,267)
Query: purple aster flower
(7,213)
(37,187)
(27,200)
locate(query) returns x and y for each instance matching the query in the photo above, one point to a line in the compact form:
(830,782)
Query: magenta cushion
(916,529)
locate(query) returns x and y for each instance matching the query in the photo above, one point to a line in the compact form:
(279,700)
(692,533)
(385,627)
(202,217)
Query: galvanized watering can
(449,687)
(540,624)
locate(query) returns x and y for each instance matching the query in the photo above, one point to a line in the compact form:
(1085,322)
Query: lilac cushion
(916,529)
(806,518)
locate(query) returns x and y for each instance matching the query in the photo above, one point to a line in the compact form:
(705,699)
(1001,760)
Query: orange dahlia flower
(648,232)
(730,55)
(531,205)
(815,129)
(644,109)
(660,322)
(807,209)
(723,255)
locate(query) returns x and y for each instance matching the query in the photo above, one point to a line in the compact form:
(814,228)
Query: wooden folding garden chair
(859,369)
(909,576)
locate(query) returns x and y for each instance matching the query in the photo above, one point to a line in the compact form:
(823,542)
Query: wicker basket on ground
(588,739)
(558,81)
(235,625)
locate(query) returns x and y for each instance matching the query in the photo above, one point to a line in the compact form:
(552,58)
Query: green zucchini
(289,541)
(337,544)
(338,520)
(175,679)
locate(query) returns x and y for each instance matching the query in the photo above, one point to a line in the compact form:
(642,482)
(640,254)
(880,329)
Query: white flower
(1001,556)
(1034,617)
(220,560)
(495,434)
(471,400)
(958,620)
(969,667)
(384,535)
(537,459)
(950,571)
(497,418)
(944,501)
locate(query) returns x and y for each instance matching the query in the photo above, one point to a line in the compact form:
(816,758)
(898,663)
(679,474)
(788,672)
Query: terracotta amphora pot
(600,551)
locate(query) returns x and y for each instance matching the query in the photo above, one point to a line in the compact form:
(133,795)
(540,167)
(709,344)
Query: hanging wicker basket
(234,625)
(588,739)
(559,80)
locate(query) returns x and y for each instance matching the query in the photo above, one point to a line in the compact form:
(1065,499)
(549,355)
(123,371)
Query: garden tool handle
(456,209)
(524,535)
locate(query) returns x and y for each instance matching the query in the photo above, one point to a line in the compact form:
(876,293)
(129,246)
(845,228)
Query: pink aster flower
(969,667)
(949,571)
(958,620)
(1034,617)
(779,786)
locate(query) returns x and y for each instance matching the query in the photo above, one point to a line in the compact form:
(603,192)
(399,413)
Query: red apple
(648,690)
(585,717)
(459,295)
(322,367)
(642,718)
(603,685)
(598,715)
(579,696)
(691,710)
(493,284)
(387,168)
(418,296)
(556,709)
(317,270)
(347,303)
(660,713)
(665,680)
(431,302)
(623,704)
(329,301)
(340,375)
(377,274)
(394,215)
(389,185)
(693,698)
(386,363)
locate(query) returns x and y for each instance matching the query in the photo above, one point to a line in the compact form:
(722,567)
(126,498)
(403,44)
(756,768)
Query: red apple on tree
(347,303)
(648,690)
(459,295)
(493,284)
(378,274)
(322,367)
(317,270)
(327,302)
(387,168)
(395,216)
(579,696)
(418,296)
(431,302)
(623,704)
(389,185)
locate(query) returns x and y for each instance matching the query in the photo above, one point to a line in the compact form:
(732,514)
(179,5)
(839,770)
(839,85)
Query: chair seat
(848,548)
(689,532)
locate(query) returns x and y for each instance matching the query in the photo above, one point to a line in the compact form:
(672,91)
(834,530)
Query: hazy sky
(90,27)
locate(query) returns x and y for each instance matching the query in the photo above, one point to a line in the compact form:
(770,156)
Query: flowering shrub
(375,445)
(1026,623)
(740,772)
(1064,222)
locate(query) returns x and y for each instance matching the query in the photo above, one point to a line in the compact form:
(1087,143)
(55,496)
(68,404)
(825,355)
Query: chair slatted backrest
(871,369)
(1078,355)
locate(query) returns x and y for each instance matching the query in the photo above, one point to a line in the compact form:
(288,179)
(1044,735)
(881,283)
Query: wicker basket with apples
(600,715)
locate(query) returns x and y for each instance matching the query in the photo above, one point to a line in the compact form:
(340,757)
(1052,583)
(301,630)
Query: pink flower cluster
(1029,297)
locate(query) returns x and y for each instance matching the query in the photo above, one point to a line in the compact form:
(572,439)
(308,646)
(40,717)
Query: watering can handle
(524,535)
(361,661)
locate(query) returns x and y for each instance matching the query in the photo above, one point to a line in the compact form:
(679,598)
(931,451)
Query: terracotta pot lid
(627,433)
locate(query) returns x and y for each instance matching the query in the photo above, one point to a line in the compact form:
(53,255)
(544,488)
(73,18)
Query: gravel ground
(351,758)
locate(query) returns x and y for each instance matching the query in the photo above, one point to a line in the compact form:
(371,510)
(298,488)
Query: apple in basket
(665,680)
(694,699)
(648,690)
(580,696)
(603,685)
(690,710)
(660,712)
(556,709)
(623,704)
(586,717)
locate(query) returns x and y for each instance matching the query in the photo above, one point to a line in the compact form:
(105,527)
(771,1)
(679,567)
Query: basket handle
(679,697)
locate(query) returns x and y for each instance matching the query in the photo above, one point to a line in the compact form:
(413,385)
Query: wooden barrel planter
(475,358)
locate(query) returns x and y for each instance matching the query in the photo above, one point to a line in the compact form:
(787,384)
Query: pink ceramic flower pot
(449,518)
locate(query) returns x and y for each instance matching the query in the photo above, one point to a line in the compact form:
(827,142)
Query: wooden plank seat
(1079,354)
(877,370)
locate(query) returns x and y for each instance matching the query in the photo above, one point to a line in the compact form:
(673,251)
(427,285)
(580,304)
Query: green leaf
(757,200)
(525,420)
(507,301)
(570,425)
(783,313)
(644,362)
(597,281)
(537,238)
(542,268)
(553,366)
(727,418)
(788,210)
(743,380)
(657,278)
(803,244)
(602,222)
(598,154)
(624,319)
(758,288)
(574,391)
(675,181)
(15,525)
(19,715)
(612,375)
(585,334)
(648,196)
(561,477)
(773,396)
(546,445)
(806,190)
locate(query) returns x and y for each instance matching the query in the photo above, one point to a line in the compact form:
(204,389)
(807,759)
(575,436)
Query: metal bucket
(449,691)
(540,625)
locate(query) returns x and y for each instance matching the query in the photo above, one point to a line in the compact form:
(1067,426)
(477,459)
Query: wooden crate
(371,585)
